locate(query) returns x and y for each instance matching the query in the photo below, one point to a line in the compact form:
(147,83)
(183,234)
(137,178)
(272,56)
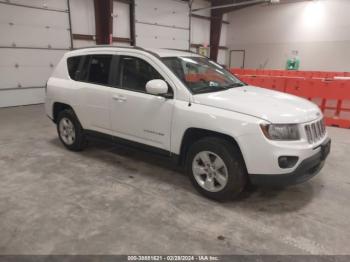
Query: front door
(135,114)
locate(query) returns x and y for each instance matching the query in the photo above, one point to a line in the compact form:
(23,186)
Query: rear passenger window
(99,69)
(135,73)
(73,66)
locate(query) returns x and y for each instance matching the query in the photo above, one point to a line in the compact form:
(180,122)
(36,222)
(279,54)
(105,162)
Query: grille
(315,131)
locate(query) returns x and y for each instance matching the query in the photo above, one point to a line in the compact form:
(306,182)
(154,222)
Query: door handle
(119,98)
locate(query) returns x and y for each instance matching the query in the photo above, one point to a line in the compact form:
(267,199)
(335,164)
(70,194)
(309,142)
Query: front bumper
(307,169)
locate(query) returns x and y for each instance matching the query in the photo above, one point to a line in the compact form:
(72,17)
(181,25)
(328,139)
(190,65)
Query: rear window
(73,67)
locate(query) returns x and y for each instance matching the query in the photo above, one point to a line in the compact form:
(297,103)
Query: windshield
(201,75)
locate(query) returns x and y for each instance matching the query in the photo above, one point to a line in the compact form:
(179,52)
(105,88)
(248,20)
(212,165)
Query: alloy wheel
(210,171)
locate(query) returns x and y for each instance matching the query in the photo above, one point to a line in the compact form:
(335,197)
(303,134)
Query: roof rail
(110,46)
(124,47)
(183,50)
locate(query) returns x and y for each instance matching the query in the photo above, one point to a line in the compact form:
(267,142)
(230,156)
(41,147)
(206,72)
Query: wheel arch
(192,135)
(57,108)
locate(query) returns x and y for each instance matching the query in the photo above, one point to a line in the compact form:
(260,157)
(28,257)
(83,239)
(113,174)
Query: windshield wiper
(209,89)
(234,85)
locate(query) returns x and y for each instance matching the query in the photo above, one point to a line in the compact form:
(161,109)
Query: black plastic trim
(305,171)
(94,135)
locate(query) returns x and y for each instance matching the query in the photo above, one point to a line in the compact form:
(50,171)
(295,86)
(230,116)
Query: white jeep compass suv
(188,108)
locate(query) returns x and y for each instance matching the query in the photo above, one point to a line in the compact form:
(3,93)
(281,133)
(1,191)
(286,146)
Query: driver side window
(134,73)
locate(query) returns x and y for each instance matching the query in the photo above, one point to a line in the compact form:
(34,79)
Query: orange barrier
(336,103)
(288,73)
(333,97)
(277,84)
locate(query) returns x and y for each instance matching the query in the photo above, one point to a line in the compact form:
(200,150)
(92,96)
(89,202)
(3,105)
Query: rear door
(94,85)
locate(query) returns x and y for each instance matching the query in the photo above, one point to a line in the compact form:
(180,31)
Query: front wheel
(70,131)
(216,168)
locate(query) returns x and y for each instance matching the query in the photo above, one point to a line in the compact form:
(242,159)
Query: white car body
(162,123)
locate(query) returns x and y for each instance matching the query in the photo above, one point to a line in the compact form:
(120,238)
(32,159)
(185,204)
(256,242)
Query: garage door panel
(24,77)
(22,97)
(162,24)
(121,19)
(11,56)
(27,68)
(38,37)
(48,4)
(149,36)
(8,78)
(33,27)
(33,76)
(32,17)
(83,17)
(166,12)
(59,38)
(83,43)
(200,33)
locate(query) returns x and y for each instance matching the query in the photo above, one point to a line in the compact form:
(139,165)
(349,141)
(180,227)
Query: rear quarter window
(73,66)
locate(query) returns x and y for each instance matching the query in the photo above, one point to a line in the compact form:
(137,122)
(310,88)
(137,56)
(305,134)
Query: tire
(222,160)
(70,131)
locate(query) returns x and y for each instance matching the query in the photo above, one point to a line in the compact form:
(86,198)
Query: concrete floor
(113,200)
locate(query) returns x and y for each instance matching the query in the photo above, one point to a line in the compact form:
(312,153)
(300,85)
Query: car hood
(272,106)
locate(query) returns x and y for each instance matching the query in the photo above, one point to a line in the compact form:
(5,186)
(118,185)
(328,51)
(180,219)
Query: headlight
(287,132)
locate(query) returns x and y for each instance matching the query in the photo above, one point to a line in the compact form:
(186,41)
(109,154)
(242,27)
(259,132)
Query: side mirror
(157,87)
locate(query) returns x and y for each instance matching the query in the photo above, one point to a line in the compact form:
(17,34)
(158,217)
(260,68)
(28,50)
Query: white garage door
(35,35)
(162,24)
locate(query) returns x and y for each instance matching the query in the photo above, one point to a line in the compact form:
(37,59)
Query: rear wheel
(70,131)
(216,168)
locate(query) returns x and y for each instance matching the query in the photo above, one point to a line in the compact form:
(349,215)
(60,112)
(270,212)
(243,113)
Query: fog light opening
(287,161)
